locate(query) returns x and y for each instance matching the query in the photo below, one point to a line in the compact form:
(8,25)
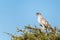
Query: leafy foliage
(30,33)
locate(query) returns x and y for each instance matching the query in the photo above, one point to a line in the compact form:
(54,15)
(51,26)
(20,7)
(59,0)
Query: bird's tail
(52,30)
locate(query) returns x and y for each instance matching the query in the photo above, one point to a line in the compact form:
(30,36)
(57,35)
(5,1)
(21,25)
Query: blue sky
(23,12)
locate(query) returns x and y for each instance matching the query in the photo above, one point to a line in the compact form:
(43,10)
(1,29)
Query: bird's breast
(39,20)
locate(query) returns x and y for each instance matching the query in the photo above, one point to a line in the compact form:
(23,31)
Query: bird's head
(38,13)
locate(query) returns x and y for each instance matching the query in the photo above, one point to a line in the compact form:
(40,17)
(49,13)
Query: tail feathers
(48,27)
(52,30)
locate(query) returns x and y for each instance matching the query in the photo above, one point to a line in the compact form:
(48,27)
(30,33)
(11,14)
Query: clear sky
(23,12)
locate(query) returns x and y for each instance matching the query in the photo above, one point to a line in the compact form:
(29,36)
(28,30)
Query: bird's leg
(40,25)
(43,27)
(46,32)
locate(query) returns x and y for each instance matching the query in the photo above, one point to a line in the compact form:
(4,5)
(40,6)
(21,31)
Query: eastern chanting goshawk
(43,22)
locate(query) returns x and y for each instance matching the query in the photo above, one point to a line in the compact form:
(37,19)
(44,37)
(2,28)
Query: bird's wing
(45,22)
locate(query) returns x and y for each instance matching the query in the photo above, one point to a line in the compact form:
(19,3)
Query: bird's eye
(38,13)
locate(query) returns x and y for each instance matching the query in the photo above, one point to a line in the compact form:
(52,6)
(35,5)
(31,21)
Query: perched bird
(43,22)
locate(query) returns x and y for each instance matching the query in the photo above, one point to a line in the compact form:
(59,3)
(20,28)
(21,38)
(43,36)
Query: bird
(43,22)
